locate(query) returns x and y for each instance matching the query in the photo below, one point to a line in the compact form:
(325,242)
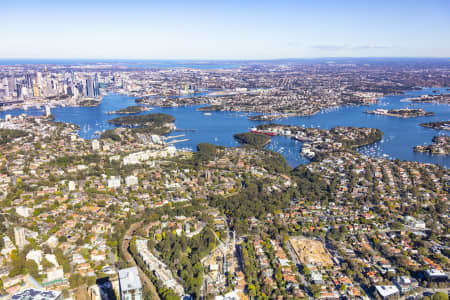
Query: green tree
(18,264)
(439,296)
(76,280)
(46,264)
(32,268)
(91,280)
(251,290)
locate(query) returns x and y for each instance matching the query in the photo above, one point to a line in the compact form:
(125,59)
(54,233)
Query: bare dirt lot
(310,251)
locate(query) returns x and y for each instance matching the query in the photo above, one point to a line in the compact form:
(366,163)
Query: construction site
(310,252)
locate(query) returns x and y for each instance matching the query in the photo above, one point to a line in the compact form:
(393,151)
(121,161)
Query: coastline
(402,113)
(222,134)
(53,104)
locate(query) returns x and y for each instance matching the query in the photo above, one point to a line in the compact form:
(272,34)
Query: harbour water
(400,135)
(130,63)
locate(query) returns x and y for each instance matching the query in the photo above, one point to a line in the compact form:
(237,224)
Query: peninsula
(401,112)
(318,142)
(258,140)
(440,145)
(440,99)
(443,125)
(264,117)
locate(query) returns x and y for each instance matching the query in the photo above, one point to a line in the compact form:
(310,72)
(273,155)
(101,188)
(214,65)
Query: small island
(211,108)
(89,103)
(263,117)
(150,123)
(149,119)
(440,145)
(130,110)
(400,112)
(443,125)
(257,140)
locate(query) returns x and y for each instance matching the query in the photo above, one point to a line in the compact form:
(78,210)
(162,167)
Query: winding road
(148,284)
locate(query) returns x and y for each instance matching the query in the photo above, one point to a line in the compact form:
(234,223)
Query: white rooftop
(230,296)
(129,279)
(435,272)
(387,290)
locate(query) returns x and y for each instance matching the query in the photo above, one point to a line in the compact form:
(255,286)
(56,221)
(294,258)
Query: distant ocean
(139,64)
(225,64)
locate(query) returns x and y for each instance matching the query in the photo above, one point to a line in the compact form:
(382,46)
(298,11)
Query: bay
(400,135)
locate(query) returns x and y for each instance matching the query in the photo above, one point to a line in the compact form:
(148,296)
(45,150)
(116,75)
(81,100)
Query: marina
(400,135)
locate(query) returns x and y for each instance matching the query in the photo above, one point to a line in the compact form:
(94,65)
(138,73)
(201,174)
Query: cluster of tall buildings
(92,87)
(45,84)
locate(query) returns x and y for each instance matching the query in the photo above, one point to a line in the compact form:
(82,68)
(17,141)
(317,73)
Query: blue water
(400,135)
(129,63)
(221,64)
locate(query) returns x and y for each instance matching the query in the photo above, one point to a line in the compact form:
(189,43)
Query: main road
(130,259)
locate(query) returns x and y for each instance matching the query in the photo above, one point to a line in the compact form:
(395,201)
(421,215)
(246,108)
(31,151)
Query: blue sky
(146,29)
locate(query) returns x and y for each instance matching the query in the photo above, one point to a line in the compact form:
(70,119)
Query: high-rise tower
(89,87)
(29,82)
(96,86)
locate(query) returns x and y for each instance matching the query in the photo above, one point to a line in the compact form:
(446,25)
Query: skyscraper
(39,79)
(19,90)
(70,90)
(11,84)
(36,92)
(89,87)
(5,86)
(96,86)
(80,88)
(29,81)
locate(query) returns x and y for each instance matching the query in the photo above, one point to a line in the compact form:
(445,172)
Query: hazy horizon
(120,59)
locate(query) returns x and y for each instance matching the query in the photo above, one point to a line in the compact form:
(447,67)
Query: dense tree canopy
(8,135)
(253,139)
(251,202)
(153,119)
(133,109)
(205,152)
(110,134)
(183,255)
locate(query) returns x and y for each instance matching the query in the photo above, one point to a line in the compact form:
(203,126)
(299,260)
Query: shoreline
(136,97)
(51,104)
(400,113)
(224,141)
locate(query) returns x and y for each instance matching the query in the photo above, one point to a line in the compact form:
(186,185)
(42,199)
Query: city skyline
(234,30)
